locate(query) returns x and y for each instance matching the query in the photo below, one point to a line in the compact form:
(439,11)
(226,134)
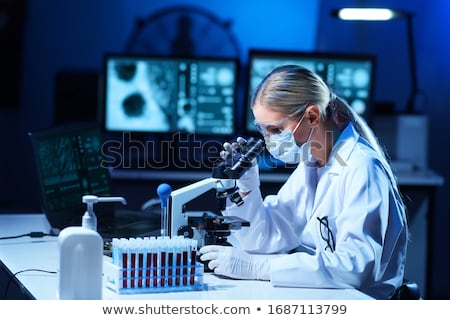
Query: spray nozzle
(89,218)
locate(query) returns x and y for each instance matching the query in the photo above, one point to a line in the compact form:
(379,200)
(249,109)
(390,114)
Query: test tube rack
(153,265)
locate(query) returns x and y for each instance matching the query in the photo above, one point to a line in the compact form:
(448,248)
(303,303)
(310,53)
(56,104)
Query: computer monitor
(350,76)
(69,165)
(162,94)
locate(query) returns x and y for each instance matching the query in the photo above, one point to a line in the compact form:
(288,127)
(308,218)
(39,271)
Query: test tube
(140,262)
(185,263)
(155,264)
(148,264)
(164,191)
(163,248)
(132,265)
(193,248)
(125,264)
(115,251)
(170,266)
(178,266)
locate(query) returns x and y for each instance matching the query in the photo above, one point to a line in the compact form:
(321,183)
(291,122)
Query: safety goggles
(277,126)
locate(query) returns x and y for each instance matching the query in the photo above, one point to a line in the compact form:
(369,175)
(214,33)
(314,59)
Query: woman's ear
(313,115)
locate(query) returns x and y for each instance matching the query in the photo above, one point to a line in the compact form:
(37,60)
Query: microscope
(206,227)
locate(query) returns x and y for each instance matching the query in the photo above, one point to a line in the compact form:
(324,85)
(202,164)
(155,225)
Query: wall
(75,35)
(434,70)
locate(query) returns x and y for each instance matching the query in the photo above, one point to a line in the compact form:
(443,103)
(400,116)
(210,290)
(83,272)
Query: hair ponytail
(342,108)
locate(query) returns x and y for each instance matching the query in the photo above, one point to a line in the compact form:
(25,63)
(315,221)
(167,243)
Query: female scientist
(339,220)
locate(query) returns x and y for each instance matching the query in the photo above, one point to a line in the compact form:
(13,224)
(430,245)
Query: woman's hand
(235,263)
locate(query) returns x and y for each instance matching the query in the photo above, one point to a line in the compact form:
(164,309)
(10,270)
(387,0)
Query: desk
(425,177)
(26,253)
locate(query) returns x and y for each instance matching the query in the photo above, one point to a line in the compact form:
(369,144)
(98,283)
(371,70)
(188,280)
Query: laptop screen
(68,161)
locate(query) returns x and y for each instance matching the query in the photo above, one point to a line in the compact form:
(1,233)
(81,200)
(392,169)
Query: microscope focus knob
(186,231)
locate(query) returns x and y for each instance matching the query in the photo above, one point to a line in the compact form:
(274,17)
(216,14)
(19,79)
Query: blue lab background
(75,34)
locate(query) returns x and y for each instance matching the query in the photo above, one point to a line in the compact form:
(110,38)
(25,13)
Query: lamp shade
(367,14)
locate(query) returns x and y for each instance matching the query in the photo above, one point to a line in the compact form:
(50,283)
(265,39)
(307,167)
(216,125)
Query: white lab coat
(365,215)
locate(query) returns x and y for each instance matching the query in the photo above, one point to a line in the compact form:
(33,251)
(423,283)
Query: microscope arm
(224,176)
(178,198)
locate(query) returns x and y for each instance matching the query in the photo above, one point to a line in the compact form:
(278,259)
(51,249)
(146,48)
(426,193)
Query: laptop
(69,165)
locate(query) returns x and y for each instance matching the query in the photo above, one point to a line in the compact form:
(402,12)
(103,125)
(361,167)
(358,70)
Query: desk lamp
(384,14)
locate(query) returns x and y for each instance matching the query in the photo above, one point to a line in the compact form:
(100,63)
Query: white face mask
(283,147)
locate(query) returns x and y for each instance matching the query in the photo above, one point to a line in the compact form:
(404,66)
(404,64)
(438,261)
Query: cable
(18,272)
(34,234)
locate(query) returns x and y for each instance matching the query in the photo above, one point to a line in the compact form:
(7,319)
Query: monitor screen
(349,76)
(155,94)
(69,165)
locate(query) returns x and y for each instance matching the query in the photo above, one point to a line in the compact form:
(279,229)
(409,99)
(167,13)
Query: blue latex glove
(235,263)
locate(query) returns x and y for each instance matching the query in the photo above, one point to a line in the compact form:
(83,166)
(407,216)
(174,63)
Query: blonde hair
(290,89)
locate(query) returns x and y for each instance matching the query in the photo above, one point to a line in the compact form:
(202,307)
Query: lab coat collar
(338,159)
(342,149)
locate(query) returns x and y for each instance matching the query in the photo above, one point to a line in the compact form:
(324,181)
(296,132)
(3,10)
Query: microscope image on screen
(350,79)
(167,95)
(132,97)
(205,98)
(349,76)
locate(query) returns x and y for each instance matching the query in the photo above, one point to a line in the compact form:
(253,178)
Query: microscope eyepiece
(249,152)
(233,167)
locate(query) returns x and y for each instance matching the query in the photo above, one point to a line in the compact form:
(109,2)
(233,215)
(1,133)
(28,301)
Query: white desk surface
(42,253)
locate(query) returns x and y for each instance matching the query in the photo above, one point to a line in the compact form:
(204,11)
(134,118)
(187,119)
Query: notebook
(69,165)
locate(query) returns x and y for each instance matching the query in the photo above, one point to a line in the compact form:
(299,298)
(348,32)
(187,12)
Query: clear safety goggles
(275,127)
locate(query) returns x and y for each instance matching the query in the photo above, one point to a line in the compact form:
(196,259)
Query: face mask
(283,147)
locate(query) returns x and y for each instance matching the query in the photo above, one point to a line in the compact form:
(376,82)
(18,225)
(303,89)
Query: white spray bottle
(81,256)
